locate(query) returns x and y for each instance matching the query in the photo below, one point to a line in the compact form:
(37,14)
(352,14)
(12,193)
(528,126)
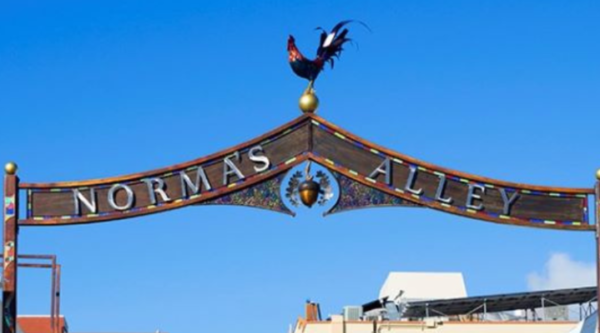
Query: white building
(438,303)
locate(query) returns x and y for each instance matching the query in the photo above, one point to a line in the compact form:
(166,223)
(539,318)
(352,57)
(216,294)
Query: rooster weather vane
(330,47)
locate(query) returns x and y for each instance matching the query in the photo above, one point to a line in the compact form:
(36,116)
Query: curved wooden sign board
(308,137)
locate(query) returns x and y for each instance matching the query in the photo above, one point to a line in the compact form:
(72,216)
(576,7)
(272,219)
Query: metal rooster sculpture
(330,47)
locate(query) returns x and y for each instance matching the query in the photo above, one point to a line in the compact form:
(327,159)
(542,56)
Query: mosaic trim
(9,207)
(464,210)
(173,172)
(435,172)
(273,168)
(354,195)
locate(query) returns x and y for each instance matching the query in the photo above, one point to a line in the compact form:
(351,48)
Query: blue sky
(504,89)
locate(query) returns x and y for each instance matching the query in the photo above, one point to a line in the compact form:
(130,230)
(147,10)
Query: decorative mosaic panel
(265,195)
(354,195)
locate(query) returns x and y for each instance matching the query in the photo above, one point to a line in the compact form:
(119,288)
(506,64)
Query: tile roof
(40,324)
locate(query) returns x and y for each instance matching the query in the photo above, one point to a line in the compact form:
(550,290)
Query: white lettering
(259,158)
(160,189)
(385,168)
(78,198)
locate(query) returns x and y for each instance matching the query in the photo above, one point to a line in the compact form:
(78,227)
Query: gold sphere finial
(309,102)
(10,168)
(598,174)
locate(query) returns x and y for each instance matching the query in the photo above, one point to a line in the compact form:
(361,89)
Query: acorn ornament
(308,191)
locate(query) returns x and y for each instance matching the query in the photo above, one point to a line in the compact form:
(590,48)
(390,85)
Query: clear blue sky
(504,89)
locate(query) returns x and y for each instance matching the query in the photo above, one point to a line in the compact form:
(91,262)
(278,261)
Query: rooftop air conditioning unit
(352,313)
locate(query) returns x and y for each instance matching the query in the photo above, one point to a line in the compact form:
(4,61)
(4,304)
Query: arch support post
(9,275)
(597,221)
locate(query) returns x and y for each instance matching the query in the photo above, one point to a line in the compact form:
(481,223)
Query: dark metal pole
(9,276)
(53,296)
(597,220)
(57,299)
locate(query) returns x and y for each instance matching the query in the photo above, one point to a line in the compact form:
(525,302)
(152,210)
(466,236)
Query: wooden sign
(169,188)
(448,190)
(308,137)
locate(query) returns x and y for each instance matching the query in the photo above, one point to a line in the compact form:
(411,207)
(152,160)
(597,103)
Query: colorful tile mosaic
(354,195)
(9,207)
(265,195)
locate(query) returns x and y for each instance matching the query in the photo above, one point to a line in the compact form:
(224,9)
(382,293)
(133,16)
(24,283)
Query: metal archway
(252,173)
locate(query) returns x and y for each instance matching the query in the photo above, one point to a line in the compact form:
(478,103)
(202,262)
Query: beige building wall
(338,325)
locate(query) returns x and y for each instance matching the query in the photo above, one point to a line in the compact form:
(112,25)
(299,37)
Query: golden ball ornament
(598,174)
(309,102)
(10,168)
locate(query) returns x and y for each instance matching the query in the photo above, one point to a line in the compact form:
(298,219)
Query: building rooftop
(40,324)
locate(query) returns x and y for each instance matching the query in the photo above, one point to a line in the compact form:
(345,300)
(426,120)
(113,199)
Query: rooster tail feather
(321,40)
(340,25)
(331,45)
(364,25)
